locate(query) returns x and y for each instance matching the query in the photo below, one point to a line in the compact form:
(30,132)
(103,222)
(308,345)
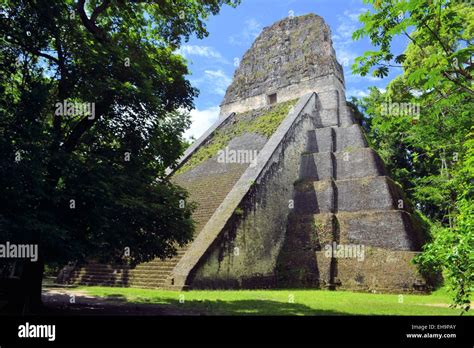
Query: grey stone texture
(285,53)
(359,163)
(253,216)
(381,270)
(292,57)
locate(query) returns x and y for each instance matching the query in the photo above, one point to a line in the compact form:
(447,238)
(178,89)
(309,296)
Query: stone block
(362,194)
(327,118)
(317,166)
(314,197)
(311,142)
(311,231)
(380,270)
(328,99)
(392,229)
(348,138)
(322,140)
(358,163)
(370,193)
(346,118)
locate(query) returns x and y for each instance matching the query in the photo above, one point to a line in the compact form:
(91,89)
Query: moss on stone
(264,123)
(219,141)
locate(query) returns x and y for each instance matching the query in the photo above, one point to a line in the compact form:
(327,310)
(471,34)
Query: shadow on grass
(118,304)
(245,307)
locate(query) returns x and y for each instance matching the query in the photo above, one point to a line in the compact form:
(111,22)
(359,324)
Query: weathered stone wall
(234,208)
(381,270)
(246,252)
(292,58)
(318,85)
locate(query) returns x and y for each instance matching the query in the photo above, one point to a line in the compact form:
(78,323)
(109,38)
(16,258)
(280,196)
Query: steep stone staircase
(206,189)
(147,275)
(344,196)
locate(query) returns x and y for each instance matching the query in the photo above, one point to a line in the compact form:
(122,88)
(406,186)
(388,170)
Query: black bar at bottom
(331,330)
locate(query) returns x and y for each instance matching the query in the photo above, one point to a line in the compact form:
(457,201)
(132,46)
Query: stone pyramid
(288,192)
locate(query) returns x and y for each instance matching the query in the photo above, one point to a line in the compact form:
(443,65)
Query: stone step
(105,280)
(118,268)
(103,284)
(156,267)
(389,229)
(357,163)
(132,274)
(335,139)
(154,272)
(368,269)
(361,194)
(124,278)
(128,285)
(333,110)
(88,277)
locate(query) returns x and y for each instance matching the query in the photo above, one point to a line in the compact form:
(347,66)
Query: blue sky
(231,33)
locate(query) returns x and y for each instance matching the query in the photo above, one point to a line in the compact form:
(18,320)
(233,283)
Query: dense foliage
(89,121)
(422,124)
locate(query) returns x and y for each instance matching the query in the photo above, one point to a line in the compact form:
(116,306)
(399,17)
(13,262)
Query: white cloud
(348,24)
(215,81)
(358,93)
(345,30)
(366,78)
(342,39)
(346,57)
(201,51)
(252,28)
(201,121)
(354,16)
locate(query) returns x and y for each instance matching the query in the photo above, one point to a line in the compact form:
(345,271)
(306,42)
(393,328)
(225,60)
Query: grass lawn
(283,302)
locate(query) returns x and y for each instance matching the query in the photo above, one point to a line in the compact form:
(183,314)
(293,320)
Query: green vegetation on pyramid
(263,121)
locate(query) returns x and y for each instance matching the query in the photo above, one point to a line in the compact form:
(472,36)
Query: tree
(427,150)
(89,123)
(451,251)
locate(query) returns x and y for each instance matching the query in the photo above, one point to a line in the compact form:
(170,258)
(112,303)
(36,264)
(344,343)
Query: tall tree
(429,150)
(90,118)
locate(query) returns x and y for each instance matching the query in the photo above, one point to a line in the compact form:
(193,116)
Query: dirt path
(58,302)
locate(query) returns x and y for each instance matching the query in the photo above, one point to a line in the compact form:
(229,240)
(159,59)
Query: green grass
(278,302)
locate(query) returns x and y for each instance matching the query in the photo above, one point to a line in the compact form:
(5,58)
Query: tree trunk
(32,279)
(24,294)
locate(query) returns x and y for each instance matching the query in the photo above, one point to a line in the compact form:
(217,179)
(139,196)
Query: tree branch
(33,51)
(86,123)
(391,65)
(98,34)
(446,50)
(99,10)
(445,74)
(63,92)
(456,82)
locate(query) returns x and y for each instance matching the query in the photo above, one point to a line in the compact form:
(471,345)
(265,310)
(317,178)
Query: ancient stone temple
(289,194)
